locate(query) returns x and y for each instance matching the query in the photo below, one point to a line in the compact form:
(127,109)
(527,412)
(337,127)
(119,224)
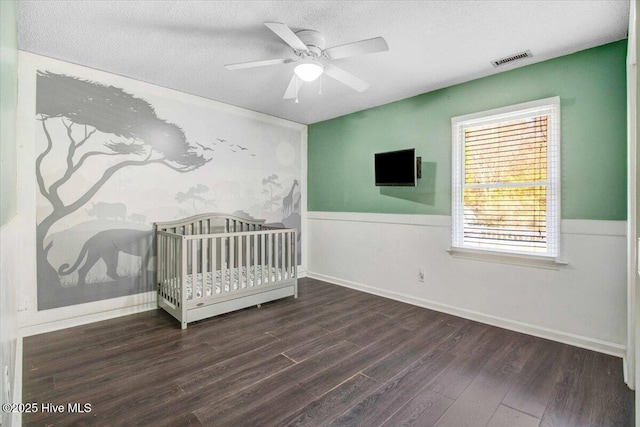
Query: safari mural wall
(112,158)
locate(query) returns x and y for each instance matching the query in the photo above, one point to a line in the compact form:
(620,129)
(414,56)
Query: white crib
(210,264)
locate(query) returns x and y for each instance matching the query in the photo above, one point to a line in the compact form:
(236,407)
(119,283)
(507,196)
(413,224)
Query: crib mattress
(204,283)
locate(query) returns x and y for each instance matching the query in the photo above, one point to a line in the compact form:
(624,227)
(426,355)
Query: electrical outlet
(421,274)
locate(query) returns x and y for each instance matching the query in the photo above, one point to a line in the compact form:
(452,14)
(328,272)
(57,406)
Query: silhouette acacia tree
(88,110)
(270,183)
(193,196)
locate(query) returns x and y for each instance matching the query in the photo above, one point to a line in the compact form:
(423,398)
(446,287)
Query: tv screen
(396,168)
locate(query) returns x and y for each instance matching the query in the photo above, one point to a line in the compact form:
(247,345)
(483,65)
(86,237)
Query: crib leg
(184,325)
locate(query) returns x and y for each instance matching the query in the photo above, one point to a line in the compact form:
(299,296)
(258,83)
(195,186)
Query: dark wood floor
(334,356)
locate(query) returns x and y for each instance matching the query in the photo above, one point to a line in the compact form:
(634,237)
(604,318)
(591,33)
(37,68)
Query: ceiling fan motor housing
(314,41)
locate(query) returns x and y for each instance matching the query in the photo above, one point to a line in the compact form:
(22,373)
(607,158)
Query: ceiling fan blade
(294,86)
(287,35)
(252,64)
(377,44)
(345,78)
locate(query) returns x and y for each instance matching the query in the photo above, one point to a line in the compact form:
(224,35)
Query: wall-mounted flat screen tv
(396,168)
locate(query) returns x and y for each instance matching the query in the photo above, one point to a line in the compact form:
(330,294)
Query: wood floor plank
(509,417)
(332,356)
(175,359)
(265,413)
(414,318)
(345,317)
(424,410)
(532,389)
(569,404)
(211,401)
(477,404)
(324,410)
(364,329)
(234,373)
(607,408)
(246,399)
(391,308)
(304,350)
(409,351)
(453,380)
(381,404)
(326,379)
(465,340)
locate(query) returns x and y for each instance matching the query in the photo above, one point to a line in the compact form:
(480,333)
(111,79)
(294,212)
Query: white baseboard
(16,417)
(513,325)
(625,373)
(42,328)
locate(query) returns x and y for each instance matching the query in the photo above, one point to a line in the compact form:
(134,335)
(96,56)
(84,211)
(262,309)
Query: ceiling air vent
(511,58)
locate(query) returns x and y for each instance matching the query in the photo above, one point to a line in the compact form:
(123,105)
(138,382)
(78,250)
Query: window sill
(506,258)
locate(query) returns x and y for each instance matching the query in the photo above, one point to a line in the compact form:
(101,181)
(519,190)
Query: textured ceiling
(183,45)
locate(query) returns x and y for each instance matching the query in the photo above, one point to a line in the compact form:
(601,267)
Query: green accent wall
(592,88)
(8,101)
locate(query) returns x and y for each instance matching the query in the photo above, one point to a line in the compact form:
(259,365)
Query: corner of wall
(10,358)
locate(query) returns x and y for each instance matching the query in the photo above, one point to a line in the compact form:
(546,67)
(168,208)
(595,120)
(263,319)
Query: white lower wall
(13,249)
(582,303)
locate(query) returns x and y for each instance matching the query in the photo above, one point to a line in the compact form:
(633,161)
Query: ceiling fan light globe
(308,72)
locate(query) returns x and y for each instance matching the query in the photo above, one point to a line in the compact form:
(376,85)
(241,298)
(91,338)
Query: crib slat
(214,264)
(204,268)
(232,259)
(169,267)
(277,251)
(173,270)
(247,247)
(183,283)
(194,268)
(294,270)
(270,256)
(159,260)
(166,285)
(255,259)
(263,256)
(159,273)
(287,255)
(283,251)
(274,275)
(292,238)
(292,254)
(224,250)
(274,264)
(172,267)
(178,271)
(240,260)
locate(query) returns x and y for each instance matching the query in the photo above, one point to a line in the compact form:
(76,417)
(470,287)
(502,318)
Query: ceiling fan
(309,47)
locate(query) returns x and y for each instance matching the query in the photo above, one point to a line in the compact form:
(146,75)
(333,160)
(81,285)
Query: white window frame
(547,106)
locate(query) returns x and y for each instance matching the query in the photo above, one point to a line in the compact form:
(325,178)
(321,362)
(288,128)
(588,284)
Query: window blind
(505,178)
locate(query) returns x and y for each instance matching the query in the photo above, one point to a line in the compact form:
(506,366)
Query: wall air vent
(511,58)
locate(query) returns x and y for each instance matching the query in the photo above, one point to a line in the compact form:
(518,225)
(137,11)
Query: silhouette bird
(233,151)
(252,155)
(221,140)
(205,148)
(241,147)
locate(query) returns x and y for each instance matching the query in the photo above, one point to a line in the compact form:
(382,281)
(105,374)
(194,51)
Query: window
(506,180)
